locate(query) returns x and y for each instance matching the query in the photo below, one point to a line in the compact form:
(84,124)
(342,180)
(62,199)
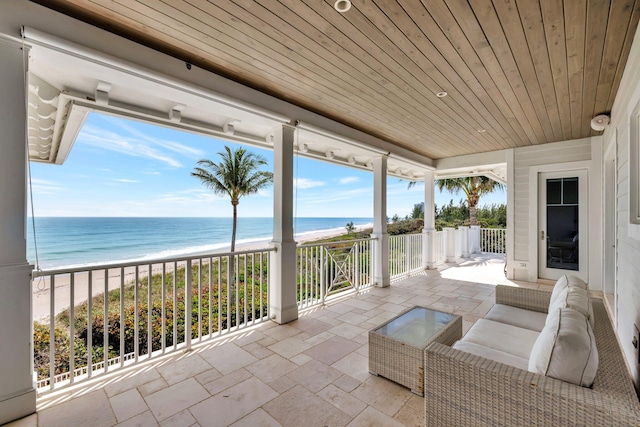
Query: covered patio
(543,96)
(314,368)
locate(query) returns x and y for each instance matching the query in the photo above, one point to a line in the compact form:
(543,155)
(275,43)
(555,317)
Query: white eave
(68,81)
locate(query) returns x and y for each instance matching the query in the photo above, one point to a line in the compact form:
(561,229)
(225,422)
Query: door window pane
(554,191)
(562,223)
(570,191)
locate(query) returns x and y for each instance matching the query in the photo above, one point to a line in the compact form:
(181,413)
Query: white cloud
(348,180)
(43,186)
(135,143)
(305,183)
(126,180)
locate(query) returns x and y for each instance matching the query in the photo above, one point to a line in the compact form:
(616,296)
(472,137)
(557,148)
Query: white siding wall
(524,159)
(627,247)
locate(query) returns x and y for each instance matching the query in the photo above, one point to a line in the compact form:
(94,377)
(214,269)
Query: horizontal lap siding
(524,159)
(628,252)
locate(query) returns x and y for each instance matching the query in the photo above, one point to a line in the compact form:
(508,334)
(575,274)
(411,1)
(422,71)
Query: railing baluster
(105,322)
(200,300)
(89,323)
(72,341)
(136,302)
(175,305)
(163,315)
(210,270)
(52,331)
(253,288)
(187,305)
(121,317)
(149,314)
(262,282)
(219,261)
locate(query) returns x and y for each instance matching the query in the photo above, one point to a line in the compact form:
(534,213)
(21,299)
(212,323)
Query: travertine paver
(313,371)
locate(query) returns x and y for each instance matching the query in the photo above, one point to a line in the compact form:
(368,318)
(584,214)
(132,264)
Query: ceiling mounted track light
(342,6)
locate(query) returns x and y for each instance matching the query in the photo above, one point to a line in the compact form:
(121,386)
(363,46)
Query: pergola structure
(402,88)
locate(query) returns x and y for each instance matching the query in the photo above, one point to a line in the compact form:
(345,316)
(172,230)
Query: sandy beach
(42,286)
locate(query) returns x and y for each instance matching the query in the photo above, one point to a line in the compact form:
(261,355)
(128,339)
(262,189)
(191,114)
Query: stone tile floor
(311,372)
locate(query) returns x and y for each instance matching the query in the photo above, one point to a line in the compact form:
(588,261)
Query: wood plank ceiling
(517,72)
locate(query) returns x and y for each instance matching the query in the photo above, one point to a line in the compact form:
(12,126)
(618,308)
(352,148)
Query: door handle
(542,235)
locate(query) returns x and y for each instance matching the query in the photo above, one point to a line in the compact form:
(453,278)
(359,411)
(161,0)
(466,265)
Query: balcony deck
(315,368)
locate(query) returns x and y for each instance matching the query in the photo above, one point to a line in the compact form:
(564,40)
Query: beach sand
(42,286)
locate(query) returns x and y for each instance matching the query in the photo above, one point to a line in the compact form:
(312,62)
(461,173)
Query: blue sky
(120,167)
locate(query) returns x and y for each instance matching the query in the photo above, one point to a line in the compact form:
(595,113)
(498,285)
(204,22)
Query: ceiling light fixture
(600,122)
(342,6)
(441,94)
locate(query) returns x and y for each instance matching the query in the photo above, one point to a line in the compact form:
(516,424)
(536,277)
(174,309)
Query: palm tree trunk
(472,215)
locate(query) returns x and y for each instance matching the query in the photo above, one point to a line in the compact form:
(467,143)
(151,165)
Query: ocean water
(72,242)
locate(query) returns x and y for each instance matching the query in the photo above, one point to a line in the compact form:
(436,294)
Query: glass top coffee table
(396,348)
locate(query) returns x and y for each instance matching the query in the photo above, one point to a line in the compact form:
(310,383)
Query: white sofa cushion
(502,337)
(575,298)
(567,281)
(492,354)
(566,348)
(515,316)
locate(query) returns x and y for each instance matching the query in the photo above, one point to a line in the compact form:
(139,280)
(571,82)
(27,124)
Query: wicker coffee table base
(402,362)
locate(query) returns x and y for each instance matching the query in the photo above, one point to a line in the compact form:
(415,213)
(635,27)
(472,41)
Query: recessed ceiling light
(482,130)
(441,94)
(342,6)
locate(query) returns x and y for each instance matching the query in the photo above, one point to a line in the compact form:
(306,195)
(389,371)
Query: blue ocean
(73,242)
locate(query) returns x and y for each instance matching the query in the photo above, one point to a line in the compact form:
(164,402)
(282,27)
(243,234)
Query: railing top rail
(39,273)
(341,242)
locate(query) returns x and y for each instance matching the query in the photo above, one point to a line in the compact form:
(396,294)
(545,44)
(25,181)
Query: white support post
(474,239)
(450,250)
(17,391)
(283,302)
(429,259)
(458,251)
(381,261)
(464,241)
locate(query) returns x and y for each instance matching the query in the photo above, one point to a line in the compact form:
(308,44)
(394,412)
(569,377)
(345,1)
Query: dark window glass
(570,191)
(554,191)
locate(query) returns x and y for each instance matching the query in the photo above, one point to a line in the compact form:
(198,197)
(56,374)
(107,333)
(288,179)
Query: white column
(450,250)
(17,392)
(283,303)
(464,241)
(429,259)
(474,239)
(381,261)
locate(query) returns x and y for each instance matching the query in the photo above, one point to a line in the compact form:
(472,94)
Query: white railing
(405,255)
(146,310)
(328,269)
(493,240)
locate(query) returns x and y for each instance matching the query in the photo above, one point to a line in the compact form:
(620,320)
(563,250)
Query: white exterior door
(562,224)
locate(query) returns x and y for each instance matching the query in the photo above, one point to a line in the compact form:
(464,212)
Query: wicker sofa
(463,389)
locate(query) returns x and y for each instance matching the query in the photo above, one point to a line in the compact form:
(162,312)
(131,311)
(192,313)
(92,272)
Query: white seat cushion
(566,348)
(515,316)
(492,354)
(502,337)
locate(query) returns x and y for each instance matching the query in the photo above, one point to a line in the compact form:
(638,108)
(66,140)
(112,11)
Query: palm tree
(473,187)
(236,175)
